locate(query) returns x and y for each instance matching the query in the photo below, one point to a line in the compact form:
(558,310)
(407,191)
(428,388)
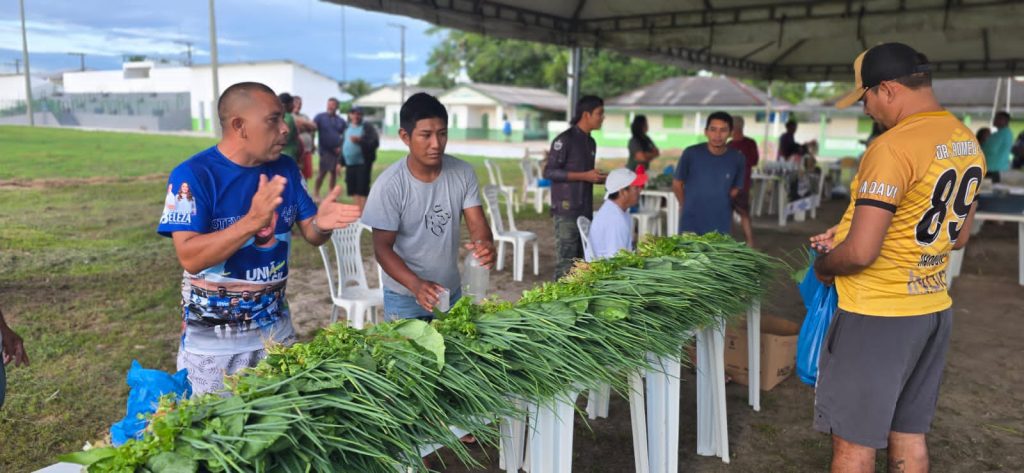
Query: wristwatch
(320,230)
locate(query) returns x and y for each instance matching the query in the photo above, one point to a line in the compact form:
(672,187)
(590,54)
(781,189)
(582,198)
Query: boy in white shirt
(612,229)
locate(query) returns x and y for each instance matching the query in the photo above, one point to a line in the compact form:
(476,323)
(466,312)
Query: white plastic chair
(346,277)
(648,218)
(509,234)
(583,223)
(494,174)
(531,183)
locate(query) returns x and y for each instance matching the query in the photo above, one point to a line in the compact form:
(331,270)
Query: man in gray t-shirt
(415,209)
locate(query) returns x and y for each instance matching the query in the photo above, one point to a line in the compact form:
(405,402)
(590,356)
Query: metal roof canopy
(787,40)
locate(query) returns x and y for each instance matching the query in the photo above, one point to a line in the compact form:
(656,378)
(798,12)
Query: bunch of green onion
(371,400)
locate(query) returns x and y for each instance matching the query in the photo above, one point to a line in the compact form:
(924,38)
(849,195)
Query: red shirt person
(741,204)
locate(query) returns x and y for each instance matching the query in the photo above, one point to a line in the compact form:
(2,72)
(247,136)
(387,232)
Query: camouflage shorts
(568,246)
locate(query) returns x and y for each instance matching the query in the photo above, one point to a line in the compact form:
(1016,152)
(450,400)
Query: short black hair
(333,99)
(228,101)
(420,106)
(1003,114)
(586,104)
(287,100)
(613,195)
(719,115)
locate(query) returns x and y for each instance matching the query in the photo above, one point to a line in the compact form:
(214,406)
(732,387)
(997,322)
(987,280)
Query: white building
(137,78)
(478,111)
(383,104)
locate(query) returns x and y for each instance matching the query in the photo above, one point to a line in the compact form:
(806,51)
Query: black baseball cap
(884,62)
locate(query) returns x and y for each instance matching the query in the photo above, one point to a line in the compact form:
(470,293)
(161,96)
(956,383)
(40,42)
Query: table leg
(780,189)
(754,355)
(1020,253)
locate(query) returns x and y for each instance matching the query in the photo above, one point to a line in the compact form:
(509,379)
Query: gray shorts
(880,374)
(328,160)
(206,372)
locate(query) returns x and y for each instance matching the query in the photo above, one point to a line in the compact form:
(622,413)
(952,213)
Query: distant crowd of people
(350,145)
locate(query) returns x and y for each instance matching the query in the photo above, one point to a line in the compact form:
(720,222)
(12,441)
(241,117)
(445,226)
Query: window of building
(672,120)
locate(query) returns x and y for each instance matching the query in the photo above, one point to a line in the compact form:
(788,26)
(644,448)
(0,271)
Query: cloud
(59,38)
(384,56)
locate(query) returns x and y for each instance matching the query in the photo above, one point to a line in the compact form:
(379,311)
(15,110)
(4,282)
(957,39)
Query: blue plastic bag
(147,386)
(821,302)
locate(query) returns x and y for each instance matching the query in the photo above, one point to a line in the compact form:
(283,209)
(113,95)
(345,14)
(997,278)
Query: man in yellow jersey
(912,202)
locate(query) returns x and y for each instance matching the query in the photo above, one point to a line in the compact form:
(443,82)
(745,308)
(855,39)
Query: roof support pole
(1009,80)
(573,76)
(767,124)
(995,100)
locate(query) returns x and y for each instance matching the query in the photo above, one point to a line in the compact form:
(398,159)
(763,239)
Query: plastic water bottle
(444,303)
(477,278)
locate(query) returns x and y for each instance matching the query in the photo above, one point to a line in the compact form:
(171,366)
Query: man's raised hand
(267,199)
(333,215)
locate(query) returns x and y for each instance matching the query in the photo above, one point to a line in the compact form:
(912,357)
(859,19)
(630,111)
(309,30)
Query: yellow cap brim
(850,98)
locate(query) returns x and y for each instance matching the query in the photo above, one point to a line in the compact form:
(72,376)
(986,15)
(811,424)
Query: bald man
(240,192)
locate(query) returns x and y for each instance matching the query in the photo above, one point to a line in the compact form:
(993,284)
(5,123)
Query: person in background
(708,178)
(570,168)
(415,211)
(788,146)
(641,149)
(12,349)
(506,128)
(293,145)
(612,228)
(306,129)
(741,204)
(997,147)
(237,235)
(357,174)
(330,127)
(369,143)
(983,134)
(1018,152)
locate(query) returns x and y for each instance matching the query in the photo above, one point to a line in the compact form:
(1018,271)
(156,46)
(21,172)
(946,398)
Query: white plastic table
(1008,208)
(671,207)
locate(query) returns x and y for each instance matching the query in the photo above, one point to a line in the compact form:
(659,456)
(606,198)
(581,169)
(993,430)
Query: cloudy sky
(307,31)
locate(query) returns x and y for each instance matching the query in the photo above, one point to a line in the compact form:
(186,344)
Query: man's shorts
(880,374)
(328,160)
(400,306)
(742,201)
(357,182)
(206,372)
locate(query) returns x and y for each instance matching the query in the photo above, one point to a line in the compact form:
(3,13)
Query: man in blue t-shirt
(708,177)
(233,237)
(330,127)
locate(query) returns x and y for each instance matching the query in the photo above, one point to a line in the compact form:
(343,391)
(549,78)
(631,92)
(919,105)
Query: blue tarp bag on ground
(147,386)
(821,302)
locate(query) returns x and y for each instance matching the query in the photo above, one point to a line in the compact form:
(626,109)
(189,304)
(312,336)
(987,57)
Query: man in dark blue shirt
(330,126)
(708,176)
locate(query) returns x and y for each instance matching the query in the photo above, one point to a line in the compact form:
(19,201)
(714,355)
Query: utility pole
(402,28)
(28,75)
(213,72)
(187,44)
(81,60)
(344,54)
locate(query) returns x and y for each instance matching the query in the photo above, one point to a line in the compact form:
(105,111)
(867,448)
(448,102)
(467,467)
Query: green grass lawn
(88,283)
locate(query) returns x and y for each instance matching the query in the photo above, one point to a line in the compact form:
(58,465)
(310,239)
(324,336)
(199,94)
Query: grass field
(86,280)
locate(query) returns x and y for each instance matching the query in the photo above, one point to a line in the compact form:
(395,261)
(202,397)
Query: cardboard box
(778,350)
